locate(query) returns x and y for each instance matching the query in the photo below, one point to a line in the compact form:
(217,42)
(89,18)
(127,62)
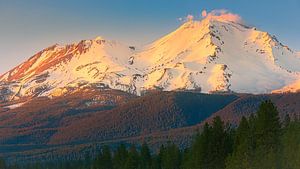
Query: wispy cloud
(222,14)
(187,18)
(219,14)
(204,13)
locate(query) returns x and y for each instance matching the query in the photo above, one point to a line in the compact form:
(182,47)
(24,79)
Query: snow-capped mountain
(59,69)
(218,55)
(211,55)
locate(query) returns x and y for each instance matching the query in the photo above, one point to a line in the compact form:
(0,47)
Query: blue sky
(27,26)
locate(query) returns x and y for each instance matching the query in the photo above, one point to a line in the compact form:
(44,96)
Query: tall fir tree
(104,159)
(267,133)
(2,163)
(133,160)
(290,152)
(218,145)
(242,155)
(199,156)
(155,162)
(145,156)
(170,157)
(120,157)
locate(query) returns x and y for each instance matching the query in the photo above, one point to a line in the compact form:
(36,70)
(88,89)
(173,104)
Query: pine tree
(156,162)
(290,152)
(2,164)
(241,157)
(199,156)
(157,159)
(133,160)
(186,158)
(218,145)
(170,157)
(267,133)
(106,158)
(120,157)
(229,139)
(145,156)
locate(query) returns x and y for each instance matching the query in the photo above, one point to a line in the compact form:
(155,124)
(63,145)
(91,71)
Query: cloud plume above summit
(222,14)
(218,14)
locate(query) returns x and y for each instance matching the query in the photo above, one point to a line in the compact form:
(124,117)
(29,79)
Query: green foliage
(170,157)
(267,126)
(120,157)
(2,164)
(133,160)
(156,162)
(104,159)
(145,157)
(267,135)
(210,148)
(291,146)
(196,157)
(241,158)
(257,141)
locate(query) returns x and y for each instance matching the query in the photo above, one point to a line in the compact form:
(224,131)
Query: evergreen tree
(120,157)
(170,157)
(241,157)
(218,145)
(2,164)
(186,158)
(157,159)
(145,156)
(199,156)
(106,158)
(133,160)
(267,132)
(229,139)
(291,146)
(156,162)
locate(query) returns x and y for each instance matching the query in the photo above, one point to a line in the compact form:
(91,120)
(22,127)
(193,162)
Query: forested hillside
(260,141)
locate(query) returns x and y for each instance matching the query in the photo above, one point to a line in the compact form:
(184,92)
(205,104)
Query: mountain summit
(216,54)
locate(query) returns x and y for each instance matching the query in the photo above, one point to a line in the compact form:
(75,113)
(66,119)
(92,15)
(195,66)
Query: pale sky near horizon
(28,26)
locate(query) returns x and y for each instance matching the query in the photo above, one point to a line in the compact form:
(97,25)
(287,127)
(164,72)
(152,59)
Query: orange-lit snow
(294,87)
(217,53)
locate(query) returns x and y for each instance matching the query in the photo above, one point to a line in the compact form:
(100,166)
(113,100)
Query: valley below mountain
(83,122)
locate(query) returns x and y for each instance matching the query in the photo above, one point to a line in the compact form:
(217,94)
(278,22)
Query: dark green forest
(261,141)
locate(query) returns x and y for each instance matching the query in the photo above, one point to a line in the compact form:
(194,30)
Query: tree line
(261,141)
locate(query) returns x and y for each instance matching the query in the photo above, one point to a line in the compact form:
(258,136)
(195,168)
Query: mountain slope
(294,87)
(21,122)
(95,117)
(218,55)
(211,55)
(98,115)
(56,69)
